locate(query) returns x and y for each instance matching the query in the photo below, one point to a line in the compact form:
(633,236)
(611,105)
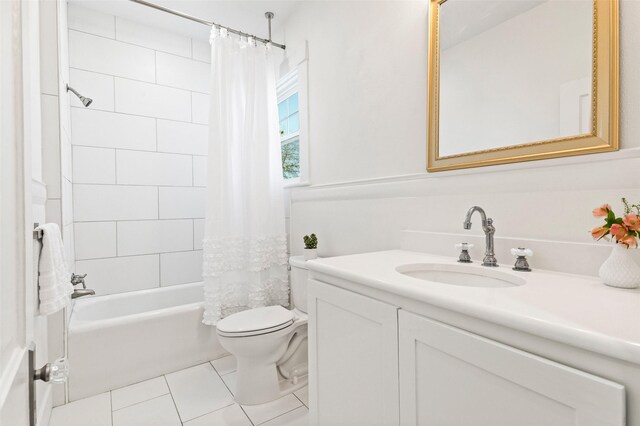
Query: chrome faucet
(489,230)
(79,292)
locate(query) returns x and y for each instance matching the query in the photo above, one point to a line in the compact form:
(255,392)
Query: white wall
(139,152)
(367,103)
(56,152)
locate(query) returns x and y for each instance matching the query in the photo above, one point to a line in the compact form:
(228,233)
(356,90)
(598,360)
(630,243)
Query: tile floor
(197,396)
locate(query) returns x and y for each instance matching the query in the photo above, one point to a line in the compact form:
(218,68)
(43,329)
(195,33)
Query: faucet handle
(78,279)
(464,252)
(521,261)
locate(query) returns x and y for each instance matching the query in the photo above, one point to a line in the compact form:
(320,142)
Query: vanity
(402,337)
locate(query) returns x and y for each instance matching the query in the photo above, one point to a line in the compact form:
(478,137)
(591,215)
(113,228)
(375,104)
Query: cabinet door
(451,377)
(353,358)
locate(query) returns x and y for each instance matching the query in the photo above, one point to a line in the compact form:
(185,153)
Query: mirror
(519,80)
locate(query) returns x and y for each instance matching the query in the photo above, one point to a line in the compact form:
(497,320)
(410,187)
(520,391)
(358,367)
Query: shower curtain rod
(268,15)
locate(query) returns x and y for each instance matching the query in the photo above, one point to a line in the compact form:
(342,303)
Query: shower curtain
(245,248)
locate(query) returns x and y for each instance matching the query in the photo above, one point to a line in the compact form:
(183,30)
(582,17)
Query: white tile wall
(201,50)
(151,100)
(111,202)
(112,130)
(183,138)
(198,233)
(154,236)
(200,108)
(152,168)
(98,87)
(88,233)
(88,21)
(121,274)
(94,165)
(137,151)
(181,267)
(199,171)
(181,72)
(181,202)
(94,53)
(153,38)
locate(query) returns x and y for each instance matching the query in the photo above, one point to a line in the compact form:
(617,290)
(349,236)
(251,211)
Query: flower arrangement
(624,230)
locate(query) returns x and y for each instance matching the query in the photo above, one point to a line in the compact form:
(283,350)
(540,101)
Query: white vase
(310,254)
(620,270)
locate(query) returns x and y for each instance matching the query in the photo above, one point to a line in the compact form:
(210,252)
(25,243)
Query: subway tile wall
(139,152)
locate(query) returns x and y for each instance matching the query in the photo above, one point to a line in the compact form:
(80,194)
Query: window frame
(295,81)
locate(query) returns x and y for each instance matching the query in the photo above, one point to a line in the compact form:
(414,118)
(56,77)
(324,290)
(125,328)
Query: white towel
(54,280)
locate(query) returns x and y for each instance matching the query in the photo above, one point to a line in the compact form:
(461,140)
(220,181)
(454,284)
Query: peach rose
(630,241)
(602,211)
(632,221)
(619,231)
(598,232)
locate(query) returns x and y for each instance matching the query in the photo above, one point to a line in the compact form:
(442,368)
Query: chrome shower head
(85,101)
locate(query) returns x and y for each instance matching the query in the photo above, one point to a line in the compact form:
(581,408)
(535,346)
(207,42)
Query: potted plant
(620,269)
(310,247)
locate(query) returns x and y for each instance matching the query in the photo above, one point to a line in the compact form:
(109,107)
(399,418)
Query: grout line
(234,398)
(136,255)
(114,76)
(193,235)
(137,185)
(133,114)
(111,406)
(280,415)
(142,402)
(164,376)
(140,150)
(137,220)
(117,40)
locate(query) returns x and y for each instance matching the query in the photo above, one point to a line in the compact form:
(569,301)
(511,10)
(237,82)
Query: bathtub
(121,339)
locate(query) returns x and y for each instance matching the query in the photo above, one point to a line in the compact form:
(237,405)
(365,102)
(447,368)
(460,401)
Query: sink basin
(461,275)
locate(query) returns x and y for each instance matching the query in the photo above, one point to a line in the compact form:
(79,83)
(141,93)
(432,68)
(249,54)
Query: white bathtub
(125,338)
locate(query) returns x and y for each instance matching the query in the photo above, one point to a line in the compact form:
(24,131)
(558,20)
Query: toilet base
(258,384)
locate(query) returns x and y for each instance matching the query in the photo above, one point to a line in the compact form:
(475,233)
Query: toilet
(270,344)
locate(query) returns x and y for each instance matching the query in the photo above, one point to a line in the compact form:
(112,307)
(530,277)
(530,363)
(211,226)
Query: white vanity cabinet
(372,363)
(353,358)
(452,377)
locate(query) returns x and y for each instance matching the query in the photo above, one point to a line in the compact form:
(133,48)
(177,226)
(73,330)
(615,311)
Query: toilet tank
(298,279)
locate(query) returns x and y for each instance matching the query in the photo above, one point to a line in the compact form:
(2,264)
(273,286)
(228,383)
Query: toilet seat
(254,322)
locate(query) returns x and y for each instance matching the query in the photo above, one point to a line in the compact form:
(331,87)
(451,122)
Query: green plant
(310,241)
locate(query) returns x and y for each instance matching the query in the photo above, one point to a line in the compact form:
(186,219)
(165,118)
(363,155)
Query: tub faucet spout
(80,292)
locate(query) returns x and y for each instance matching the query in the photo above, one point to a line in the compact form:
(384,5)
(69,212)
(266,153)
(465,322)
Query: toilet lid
(270,318)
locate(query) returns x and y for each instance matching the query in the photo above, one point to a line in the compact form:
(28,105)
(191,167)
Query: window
(290,136)
(293,134)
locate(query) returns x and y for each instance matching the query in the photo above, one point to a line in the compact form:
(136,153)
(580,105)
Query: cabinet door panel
(353,358)
(451,377)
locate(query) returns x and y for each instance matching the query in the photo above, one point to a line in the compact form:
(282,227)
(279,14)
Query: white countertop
(573,309)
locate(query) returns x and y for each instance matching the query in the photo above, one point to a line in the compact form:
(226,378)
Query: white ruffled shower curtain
(245,248)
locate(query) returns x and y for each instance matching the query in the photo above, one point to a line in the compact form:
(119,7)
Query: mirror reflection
(513,72)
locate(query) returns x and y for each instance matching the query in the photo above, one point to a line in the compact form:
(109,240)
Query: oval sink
(461,275)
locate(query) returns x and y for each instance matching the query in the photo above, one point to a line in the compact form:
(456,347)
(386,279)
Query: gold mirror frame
(605,102)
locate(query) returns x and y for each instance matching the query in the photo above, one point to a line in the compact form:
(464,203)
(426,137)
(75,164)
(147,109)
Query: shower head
(85,101)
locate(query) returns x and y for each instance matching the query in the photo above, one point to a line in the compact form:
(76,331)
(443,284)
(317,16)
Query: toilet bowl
(270,345)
